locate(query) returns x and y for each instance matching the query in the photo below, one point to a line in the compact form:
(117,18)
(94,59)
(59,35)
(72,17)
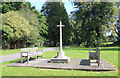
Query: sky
(39,5)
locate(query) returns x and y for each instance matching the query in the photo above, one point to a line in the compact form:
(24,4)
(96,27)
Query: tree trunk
(24,43)
(7,45)
(79,43)
(14,46)
(119,41)
(54,43)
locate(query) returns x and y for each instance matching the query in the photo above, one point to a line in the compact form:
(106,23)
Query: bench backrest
(29,50)
(95,53)
(25,50)
(98,52)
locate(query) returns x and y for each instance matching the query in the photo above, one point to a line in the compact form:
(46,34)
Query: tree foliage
(55,12)
(12,30)
(117,25)
(92,21)
(24,27)
(9,6)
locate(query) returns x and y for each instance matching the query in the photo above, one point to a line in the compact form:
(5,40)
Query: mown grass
(14,51)
(108,43)
(108,53)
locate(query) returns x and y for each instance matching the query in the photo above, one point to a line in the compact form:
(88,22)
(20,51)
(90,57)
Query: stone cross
(60,50)
(60,58)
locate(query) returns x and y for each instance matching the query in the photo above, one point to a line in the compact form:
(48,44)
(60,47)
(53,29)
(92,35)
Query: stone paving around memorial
(74,64)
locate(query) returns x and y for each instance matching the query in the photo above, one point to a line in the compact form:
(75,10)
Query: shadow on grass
(102,49)
(75,49)
(15,61)
(110,49)
(19,60)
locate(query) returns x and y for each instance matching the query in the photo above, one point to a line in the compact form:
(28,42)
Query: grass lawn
(108,43)
(108,53)
(14,51)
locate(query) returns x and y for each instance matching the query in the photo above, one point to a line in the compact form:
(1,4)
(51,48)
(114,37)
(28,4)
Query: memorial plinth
(60,58)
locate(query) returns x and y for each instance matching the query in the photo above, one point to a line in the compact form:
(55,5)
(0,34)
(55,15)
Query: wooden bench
(29,52)
(94,57)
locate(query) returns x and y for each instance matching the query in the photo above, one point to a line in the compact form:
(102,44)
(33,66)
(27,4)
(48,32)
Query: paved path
(15,56)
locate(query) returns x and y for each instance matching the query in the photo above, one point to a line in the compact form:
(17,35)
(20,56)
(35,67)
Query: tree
(14,32)
(33,21)
(0,26)
(36,25)
(9,6)
(42,27)
(117,25)
(92,20)
(15,6)
(55,12)
(38,22)
(42,23)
